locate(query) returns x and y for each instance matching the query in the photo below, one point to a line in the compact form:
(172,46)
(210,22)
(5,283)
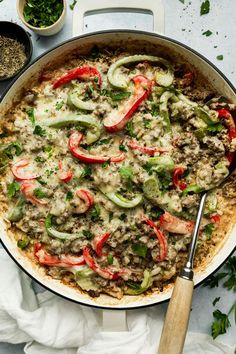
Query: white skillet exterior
(83,43)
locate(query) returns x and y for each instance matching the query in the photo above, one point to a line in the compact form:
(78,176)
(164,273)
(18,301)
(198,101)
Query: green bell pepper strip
(83,278)
(145,285)
(211,204)
(164,110)
(74,100)
(151,188)
(17,212)
(84,120)
(122,202)
(57,234)
(162,78)
(194,188)
(162,163)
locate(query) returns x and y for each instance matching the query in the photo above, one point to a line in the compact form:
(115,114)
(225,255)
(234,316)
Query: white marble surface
(184,23)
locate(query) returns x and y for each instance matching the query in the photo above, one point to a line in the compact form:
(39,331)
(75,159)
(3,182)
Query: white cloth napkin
(52,325)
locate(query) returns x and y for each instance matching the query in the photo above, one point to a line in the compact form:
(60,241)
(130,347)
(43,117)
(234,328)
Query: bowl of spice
(15,49)
(44,17)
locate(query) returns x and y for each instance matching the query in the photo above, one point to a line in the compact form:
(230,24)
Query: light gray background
(183,23)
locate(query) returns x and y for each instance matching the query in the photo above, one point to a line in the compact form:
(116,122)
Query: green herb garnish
(39,193)
(129,129)
(118,96)
(87,172)
(39,159)
(208,229)
(31,116)
(73,5)
(59,105)
(215,301)
(69,195)
(220,57)
(103,141)
(95,213)
(220,325)
(147,124)
(87,234)
(12,189)
(205,7)
(139,249)
(110,259)
(39,131)
(207,33)
(122,148)
(41,13)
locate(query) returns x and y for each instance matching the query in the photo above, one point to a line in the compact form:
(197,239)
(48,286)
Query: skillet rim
(87,35)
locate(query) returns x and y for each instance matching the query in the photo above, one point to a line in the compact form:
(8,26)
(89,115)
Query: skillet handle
(83,7)
(114,321)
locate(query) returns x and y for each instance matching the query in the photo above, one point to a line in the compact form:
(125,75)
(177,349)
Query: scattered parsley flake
(39,131)
(139,249)
(73,5)
(59,105)
(69,196)
(12,189)
(205,7)
(207,33)
(31,116)
(39,193)
(220,57)
(215,301)
(220,325)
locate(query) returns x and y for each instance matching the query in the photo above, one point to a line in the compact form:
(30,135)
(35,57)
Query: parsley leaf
(87,234)
(39,193)
(182,1)
(139,249)
(118,96)
(41,13)
(12,189)
(103,141)
(73,5)
(129,129)
(220,325)
(147,124)
(215,301)
(215,128)
(39,131)
(207,33)
(110,259)
(208,229)
(31,116)
(205,7)
(220,57)
(59,105)
(230,283)
(69,195)
(95,213)
(122,148)
(213,280)
(87,172)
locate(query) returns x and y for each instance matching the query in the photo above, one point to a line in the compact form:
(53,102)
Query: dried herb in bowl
(12,57)
(42,13)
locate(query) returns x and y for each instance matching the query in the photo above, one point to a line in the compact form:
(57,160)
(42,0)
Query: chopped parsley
(208,229)
(122,148)
(48,150)
(39,193)
(39,131)
(39,159)
(104,141)
(220,57)
(95,213)
(129,129)
(230,283)
(220,325)
(87,234)
(41,13)
(72,5)
(59,105)
(147,124)
(207,33)
(87,172)
(69,195)
(41,181)
(123,217)
(12,189)
(215,301)
(213,280)
(205,7)
(139,249)
(31,116)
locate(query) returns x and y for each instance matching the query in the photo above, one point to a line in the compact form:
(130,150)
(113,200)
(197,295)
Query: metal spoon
(177,317)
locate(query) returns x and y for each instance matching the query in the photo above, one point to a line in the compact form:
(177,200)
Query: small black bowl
(14,31)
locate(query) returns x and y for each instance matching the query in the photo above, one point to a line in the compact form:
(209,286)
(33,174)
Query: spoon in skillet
(176,322)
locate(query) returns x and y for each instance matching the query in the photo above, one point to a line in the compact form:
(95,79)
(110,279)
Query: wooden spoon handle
(176,321)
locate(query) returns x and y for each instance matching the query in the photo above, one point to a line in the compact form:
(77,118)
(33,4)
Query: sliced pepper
(146,150)
(83,72)
(177,174)
(162,78)
(173,224)
(63,260)
(192,188)
(84,120)
(74,99)
(119,200)
(215,218)
(64,176)
(145,285)
(164,110)
(87,197)
(105,273)
(73,144)
(98,243)
(161,238)
(162,163)
(16,213)
(57,234)
(117,120)
(19,173)
(27,188)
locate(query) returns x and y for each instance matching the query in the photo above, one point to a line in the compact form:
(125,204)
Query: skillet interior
(131,41)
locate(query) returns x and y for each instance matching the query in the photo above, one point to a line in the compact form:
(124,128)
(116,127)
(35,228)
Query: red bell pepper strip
(215,218)
(116,121)
(27,188)
(173,224)
(44,257)
(161,238)
(73,144)
(87,198)
(64,176)
(19,173)
(98,243)
(105,273)
(83,72)
(229,121)
(146,150)
(177,173)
